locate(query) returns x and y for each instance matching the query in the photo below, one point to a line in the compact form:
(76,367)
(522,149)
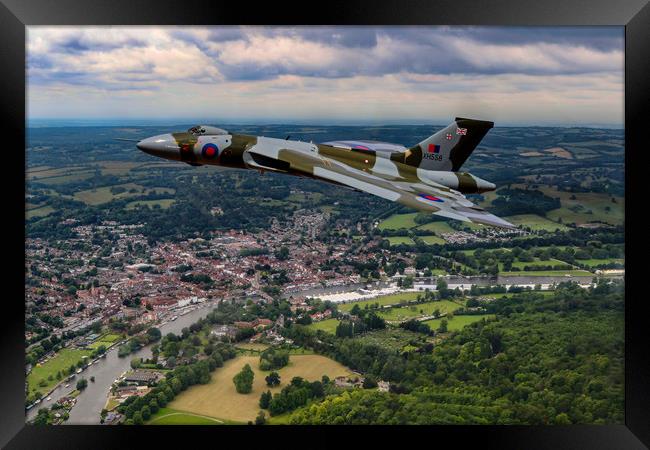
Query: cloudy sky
(529,76)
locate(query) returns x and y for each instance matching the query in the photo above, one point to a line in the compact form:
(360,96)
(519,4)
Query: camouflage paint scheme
(424,177)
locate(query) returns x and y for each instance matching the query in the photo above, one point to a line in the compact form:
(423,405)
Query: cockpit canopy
(201,130)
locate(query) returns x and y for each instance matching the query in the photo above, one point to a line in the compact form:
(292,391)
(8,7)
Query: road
(92,400)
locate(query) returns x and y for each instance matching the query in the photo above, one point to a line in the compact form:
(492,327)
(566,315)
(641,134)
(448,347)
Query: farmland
(108,193)
(535,222)
(392,338)
(106,340)
(430,240)
(383,300)
(328,326)
(169,416)
(417,310)
(598,262)
(457,322)
(548,273)
(163,203)
(219,399)
(583,207)
(39,212)
(397,240)
(60,362)
(397,221)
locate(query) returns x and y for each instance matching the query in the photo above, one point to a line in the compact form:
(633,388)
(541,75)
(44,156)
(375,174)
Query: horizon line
(117,122)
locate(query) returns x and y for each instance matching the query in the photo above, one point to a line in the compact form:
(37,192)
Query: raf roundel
(210,151)
(431,198)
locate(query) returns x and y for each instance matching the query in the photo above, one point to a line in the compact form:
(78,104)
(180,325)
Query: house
(262,323)
(225,330)
(112,418)
(383,386)
(142,377)
(321,315)
(126,391)
(346,382)
(257,324)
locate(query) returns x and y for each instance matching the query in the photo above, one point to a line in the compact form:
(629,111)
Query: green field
(397,221)
(106,340)
(169,416)
(430,240)
(50,173)
(252,346)
(397,240)
(383,300)
(547,273)
(586,207)
(546,293)
(329,325)
(61,361)
(536,263)
(597,262)
(535,222)
(457,322)
(63,179)
(104,194)
(164,203)
(39,212)
(437,227)
(219,399)
(409,312)
(391,338)
(117,168)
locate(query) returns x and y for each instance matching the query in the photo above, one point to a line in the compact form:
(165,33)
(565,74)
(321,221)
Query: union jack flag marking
(461,131)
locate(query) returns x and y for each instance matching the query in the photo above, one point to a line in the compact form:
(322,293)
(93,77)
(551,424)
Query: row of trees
(293,396)
(555,359)
(137,342)
(274,358)
(139,409)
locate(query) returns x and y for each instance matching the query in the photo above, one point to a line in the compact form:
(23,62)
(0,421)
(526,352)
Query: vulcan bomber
(426,176)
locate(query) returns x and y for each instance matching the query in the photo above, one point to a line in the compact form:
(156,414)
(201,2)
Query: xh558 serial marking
(425,177)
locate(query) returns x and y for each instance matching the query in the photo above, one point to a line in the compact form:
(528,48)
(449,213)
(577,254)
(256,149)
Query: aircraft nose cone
(163,146)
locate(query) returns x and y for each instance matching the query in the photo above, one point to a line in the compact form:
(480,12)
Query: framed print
(370,220)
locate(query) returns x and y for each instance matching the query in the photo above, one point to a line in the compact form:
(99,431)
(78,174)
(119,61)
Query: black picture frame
(15,15)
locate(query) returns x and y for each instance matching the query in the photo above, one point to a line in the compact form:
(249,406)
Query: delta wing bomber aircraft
(425,177)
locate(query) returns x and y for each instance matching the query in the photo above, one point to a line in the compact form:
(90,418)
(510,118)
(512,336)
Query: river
(91,400)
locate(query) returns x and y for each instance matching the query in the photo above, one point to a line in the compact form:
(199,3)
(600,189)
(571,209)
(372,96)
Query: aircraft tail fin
(449,148)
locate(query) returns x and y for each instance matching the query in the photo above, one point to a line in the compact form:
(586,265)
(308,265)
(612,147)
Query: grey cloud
(417,50)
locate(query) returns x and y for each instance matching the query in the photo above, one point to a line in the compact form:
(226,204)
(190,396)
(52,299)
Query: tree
(272,379)
(443,326)
(283,253)
(274,359)
(260,419)
(265,399)
(136,362)
(153,334)
(82,384)
(244,380)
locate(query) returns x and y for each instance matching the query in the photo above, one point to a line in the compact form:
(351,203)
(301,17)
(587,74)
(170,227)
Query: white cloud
(255,72)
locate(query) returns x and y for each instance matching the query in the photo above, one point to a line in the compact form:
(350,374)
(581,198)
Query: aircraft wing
(442,202)
(438,200)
